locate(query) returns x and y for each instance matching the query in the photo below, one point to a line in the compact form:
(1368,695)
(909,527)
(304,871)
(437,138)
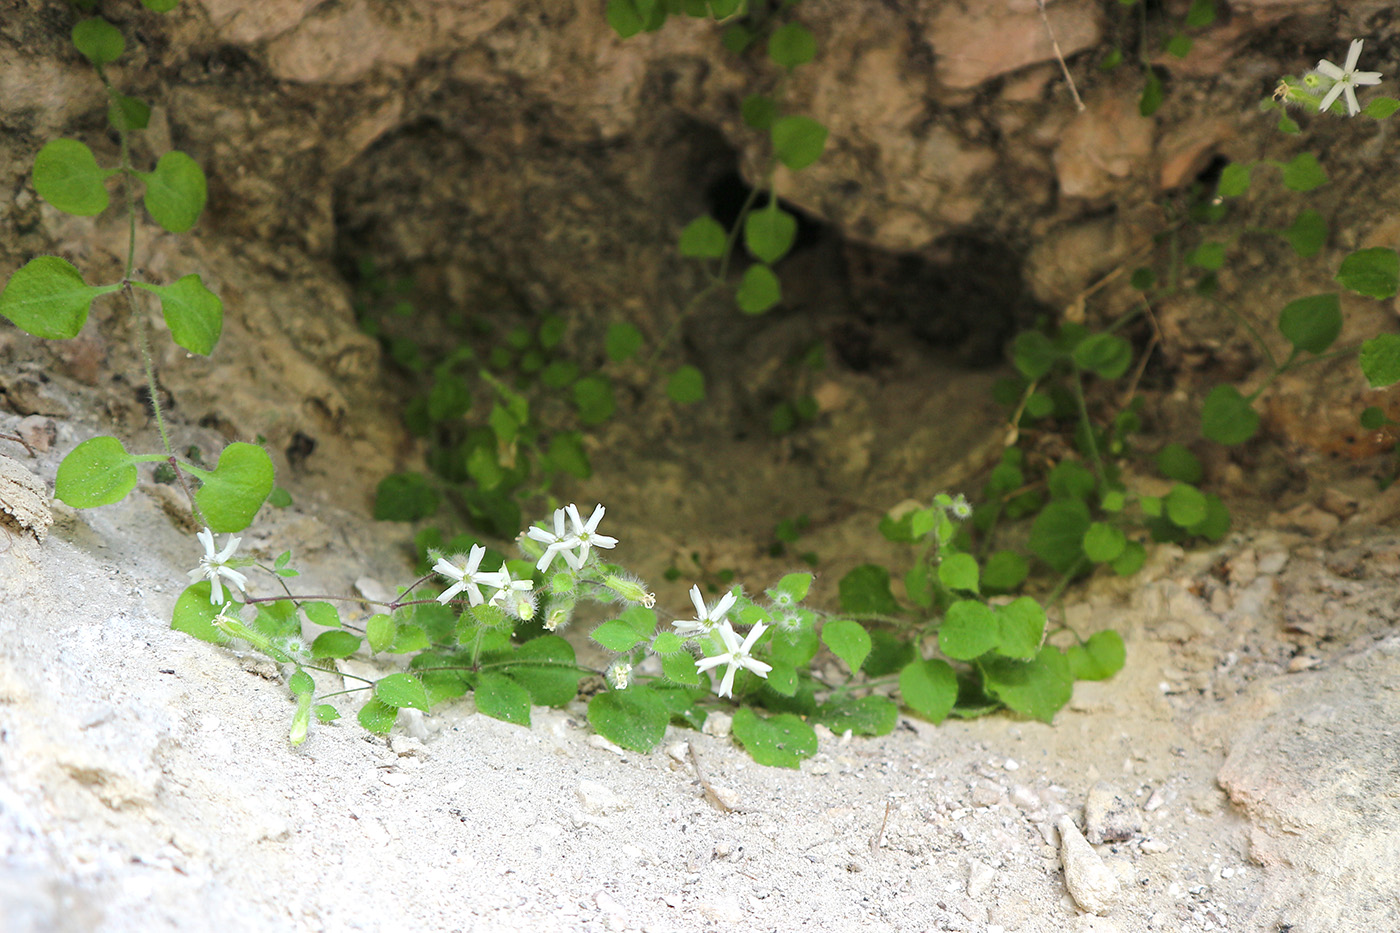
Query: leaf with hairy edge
(48,298)
(377,717)
(175,191)
(634,719)
(194,314)
(98,471)
(848,640)
(66,174)
(929,688)
(1038,688)
(194,614)
(236,489)
(780,741)
(502,698)
(401,690)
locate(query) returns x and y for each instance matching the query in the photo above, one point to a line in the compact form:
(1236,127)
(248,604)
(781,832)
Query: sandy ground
(146,784)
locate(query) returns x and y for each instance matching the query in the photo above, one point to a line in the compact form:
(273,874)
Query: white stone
(597,798)
(1092,884)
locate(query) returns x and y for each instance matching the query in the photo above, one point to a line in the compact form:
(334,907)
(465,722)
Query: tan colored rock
(1092,884)
(237,21)
(1108,142)
(976,42)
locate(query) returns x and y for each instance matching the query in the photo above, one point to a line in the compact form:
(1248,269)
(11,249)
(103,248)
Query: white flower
(1347,79)
(556,543)
(620,675)
(961,508)
(736,656)
(586,533)
(213,565)
(705,619)
(513,597)
(466,575)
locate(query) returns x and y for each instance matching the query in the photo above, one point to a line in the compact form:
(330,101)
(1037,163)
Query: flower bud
(620,675)
(559,614)
(630,590)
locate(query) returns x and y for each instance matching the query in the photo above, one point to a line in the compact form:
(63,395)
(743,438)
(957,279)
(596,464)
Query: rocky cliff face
(518,158)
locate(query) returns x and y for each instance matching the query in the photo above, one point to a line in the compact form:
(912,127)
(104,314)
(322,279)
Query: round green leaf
(236,489)
(335,644)
(1058,532)
(758,290)
(622,342)
(1304,173)
(594,397)
(959,572)
(194,314)
(780,741)
(848,640)
(791,45)
(1373,418)
(617,635)
(1033,353)
(1004,570)
(759,111)
(175,191)
(871,715)
(1099,658)
(1311,324)
(1307,234)
(634,719)
(1381,108)
(866,590)
(703,238)
(502,698)
(1234,180)
(798,141)
(1103,543)
(66,175)
(623,17)
(404,497)
(301,683)
(400,690)
(1106,355)
(1020,627)
(686,386)
(1186,505)
(546,667)
(377,716)
(929,688)
(100,42)
(1380,360)
(1208,255)
(1038,688)
(1131,560)
(969,630)
(1176,461)
(194,614)
(1371,272)
(1227,418)
(98,471)
(127,113)
(47,297)
(769,233)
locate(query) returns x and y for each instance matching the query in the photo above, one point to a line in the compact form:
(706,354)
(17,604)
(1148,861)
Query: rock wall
(518,158)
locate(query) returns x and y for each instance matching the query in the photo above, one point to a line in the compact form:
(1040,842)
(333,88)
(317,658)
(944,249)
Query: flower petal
(1330,70)
(1353,54)
(1331,97)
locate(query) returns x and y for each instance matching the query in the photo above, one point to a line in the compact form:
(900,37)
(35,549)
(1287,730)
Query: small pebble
(1109,815)
(597,741)
(1025,798)
(718,724)
(678,751)
(1272,562)
(597,798)
(1155,846)
(979,879)
(1011,764)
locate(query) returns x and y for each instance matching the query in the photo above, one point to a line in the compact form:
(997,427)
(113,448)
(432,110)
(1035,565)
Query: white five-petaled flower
(586,533)
(467,576)
(513,597)
(214,565)
(1347,78)
(705,618)
(560,542)
(736,655)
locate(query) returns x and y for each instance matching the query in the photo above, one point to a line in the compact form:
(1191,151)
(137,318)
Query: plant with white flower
(706,618)
(736,655)
(560,541)
(217,566)
(1346,79)
(586,533)
(465,574)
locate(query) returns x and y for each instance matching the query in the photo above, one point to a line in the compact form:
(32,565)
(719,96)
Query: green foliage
(634,719)
(781,741)
(97,472)
(237,487)
(66,175)
(404,497)
(1227,417)
(48,298)
(194,314)
(1370,272)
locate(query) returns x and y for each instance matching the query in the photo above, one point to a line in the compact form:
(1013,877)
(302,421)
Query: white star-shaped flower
(466,575)
(586,533)
(213,566)
(1347,78)
(705,618)
(560,542)
(736,656)
(513,597)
